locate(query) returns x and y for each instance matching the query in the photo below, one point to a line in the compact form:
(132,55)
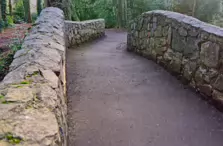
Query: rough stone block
(27,100)
(210,54)
(184,45)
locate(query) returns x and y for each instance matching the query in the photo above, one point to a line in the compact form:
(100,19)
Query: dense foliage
(118,13)
(17,11)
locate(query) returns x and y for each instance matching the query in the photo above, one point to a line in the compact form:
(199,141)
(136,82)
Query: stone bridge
(99,94)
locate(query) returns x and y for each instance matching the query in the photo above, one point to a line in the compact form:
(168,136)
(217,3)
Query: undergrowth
(6,59)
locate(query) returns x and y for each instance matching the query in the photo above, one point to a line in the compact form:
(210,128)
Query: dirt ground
(8,37)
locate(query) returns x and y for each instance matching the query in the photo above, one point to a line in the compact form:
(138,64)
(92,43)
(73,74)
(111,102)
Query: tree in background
(218,18)
(46,4)
(1,20)
(28,17)
(65,5)
(3,9)
(118,13)
(74,16)
(39,6)
(67,8)
(10,7)
(18,11)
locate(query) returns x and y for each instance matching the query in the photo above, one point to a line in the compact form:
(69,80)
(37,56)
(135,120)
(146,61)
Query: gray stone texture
(184,45)
(32,95)
(80,32)
(33,104)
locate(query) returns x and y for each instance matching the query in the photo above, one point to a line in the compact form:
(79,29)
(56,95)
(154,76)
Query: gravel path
(120,99)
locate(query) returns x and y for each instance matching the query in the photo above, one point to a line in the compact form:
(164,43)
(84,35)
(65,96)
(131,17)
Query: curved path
(120,99)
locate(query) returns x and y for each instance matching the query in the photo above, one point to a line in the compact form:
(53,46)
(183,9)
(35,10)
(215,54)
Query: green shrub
(7,58)
(18,12)
(218,20)
(9,20)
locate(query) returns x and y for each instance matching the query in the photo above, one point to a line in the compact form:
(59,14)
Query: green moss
(28,76)
(9,136)
(28,107)
(7,102)
(12,139)
(18,86)
(4,102)
(35,73)
(1,96)
(25,82)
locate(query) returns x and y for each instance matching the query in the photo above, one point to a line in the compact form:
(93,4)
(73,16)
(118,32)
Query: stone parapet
(32,95)
(80,32)
(187,47)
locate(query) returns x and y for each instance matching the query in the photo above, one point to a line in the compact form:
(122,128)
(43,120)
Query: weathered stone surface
(4,143)
(219,83)
(205,89)
(189,69)
(80,32)
(19,94)
(182,31)
(158,32)
(168,55)
(178,42)
(22,126)
(176,63)
(218,96)
(210,54)
(193,32)
(191,50)
(199,75)
(48,96)
(50,77)
(184,45)
(210,75)
(32,103)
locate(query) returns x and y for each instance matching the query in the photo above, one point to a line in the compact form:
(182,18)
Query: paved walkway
(120,99)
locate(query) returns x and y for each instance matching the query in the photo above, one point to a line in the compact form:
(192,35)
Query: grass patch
(6,58)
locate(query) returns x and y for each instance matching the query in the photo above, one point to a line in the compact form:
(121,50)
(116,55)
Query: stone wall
(187,47)
(32,95)
(80,32)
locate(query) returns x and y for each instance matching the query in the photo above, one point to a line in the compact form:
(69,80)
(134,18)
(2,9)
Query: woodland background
(117,13)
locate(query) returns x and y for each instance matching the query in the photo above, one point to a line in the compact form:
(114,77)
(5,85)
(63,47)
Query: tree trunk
(124,13)
(67,7)
(10,7)
(28,17)
(119,9)
(39,6)
(194,8)
(74,15)
(46,4)
(1,21)
(129,10)
(64,5)
(0,11)
(3,9)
